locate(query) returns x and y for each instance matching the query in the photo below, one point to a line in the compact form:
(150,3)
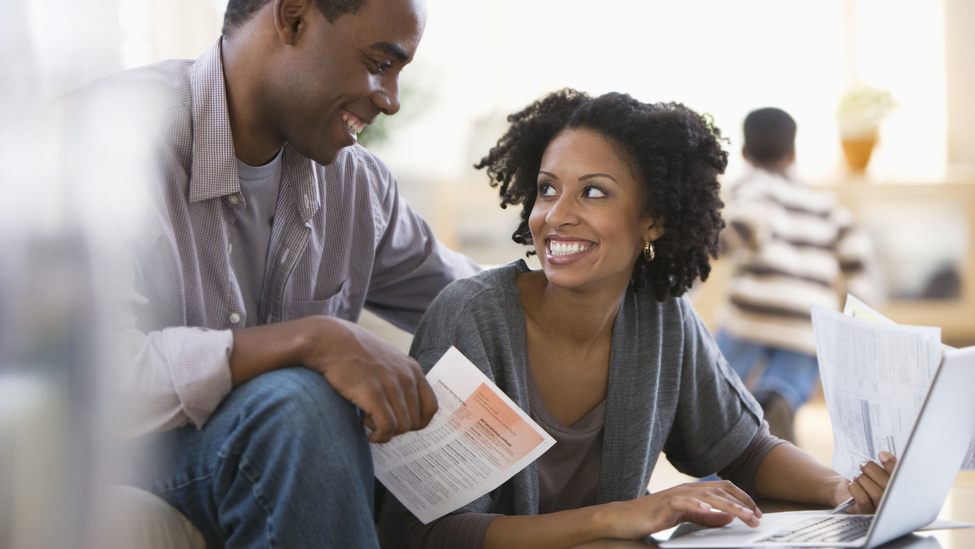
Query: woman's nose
(563,212)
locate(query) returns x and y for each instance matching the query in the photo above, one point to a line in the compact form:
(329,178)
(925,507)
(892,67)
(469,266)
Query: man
(268,232)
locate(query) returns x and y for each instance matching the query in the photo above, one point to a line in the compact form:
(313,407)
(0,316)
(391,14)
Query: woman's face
(587,222)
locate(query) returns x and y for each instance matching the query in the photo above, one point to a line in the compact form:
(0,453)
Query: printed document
(477,440)
(875,376)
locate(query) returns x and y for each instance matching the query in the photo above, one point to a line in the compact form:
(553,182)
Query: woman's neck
(573,316)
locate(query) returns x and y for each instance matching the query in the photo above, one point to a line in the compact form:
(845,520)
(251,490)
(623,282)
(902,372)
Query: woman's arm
(694,502)
(790,474)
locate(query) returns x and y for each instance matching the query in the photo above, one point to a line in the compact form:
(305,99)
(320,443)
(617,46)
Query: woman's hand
(868,488)
(710,504)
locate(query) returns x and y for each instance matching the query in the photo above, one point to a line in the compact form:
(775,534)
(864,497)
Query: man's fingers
(382,415)
(397,399)
(411,394)
(428,402)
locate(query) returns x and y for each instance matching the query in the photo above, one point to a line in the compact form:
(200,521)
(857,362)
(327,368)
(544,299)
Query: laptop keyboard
(833,528)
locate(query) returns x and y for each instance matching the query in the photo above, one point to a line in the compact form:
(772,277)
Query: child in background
(792,246)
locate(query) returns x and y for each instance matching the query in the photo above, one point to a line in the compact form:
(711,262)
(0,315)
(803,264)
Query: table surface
(960,506)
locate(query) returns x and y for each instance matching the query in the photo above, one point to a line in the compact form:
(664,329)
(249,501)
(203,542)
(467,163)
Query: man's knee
(298,406)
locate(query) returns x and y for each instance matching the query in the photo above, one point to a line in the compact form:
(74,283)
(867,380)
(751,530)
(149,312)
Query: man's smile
(354,123)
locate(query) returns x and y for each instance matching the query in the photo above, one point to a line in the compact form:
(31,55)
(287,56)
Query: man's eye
(381,66)
(544,189)
(594,192)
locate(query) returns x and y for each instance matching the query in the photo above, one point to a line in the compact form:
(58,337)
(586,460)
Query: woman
(620,201)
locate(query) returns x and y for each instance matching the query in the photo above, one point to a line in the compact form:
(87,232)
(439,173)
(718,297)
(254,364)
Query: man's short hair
(770,134)
(240,11)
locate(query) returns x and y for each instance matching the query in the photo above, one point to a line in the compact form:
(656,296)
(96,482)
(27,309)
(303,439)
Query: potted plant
(859,114)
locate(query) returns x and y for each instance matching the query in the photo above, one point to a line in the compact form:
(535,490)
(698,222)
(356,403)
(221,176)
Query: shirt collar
(214,168)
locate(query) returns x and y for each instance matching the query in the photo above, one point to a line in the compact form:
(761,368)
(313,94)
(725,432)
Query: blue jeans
(282,462)
(790,374)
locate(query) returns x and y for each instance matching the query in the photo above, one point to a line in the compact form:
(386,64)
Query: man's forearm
(260,349)
(386,385)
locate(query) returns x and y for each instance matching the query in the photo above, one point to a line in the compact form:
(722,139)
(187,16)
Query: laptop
(915,493)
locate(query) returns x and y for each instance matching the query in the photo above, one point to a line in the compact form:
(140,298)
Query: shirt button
(233,199)
(230,248)
(234,318)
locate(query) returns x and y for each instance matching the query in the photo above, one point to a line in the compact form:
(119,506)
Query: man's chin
(321,155)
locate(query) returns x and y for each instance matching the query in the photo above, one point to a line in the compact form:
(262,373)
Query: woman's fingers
(888,461)
(876,474)
(868,488)
(874,490)
(864,503)
(719,500)
(729,489)
(708,519)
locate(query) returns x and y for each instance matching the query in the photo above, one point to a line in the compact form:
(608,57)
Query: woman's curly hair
(677,155)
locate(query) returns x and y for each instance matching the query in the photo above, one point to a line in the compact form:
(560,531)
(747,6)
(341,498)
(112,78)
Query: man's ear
(289,18)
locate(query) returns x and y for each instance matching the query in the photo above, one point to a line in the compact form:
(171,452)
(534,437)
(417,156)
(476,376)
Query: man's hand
(388,386)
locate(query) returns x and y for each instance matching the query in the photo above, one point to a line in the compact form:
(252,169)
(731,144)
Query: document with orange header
(478,439)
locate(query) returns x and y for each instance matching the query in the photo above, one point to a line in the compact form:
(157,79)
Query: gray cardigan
(669,388)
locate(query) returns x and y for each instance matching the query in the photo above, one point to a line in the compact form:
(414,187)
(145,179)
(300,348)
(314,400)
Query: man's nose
(387,96)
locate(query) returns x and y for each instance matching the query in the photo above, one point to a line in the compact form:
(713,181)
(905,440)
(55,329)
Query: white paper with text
(478,439)
(875,378)
(858,309)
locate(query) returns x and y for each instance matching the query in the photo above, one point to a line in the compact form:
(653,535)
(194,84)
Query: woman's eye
(594,192)
(544,189)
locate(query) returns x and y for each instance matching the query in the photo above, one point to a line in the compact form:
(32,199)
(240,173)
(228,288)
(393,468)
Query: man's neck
(255,142)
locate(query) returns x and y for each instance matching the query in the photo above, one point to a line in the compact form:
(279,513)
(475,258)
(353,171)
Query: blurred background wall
(479,61)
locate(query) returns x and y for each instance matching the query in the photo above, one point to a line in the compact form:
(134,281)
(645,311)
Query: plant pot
(857,149)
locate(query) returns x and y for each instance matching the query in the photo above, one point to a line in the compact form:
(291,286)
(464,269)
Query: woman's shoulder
(671,307)
(493,285)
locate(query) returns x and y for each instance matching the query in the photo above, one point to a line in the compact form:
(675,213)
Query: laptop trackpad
(738,533)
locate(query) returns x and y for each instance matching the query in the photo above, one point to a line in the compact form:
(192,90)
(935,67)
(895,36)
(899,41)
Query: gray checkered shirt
(342,239)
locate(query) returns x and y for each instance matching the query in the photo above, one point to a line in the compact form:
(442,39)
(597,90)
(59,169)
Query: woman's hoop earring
(648,252)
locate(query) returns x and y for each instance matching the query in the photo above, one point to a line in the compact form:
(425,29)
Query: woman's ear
(654,230)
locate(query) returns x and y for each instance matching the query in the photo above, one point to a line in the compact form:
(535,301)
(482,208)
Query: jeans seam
(180,485)
(258,498)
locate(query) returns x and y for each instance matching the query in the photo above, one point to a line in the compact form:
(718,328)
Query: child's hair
(676,152)
(770,135)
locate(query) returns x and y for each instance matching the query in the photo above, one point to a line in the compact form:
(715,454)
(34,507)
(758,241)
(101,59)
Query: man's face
(339,76)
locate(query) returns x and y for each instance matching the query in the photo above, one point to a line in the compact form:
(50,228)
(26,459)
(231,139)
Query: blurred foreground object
(60,193)
(859,114)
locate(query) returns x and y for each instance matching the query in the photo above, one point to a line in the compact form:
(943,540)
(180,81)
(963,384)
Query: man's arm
(411,266)
(385,384)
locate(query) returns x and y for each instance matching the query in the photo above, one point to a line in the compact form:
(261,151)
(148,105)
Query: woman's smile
(561,250)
